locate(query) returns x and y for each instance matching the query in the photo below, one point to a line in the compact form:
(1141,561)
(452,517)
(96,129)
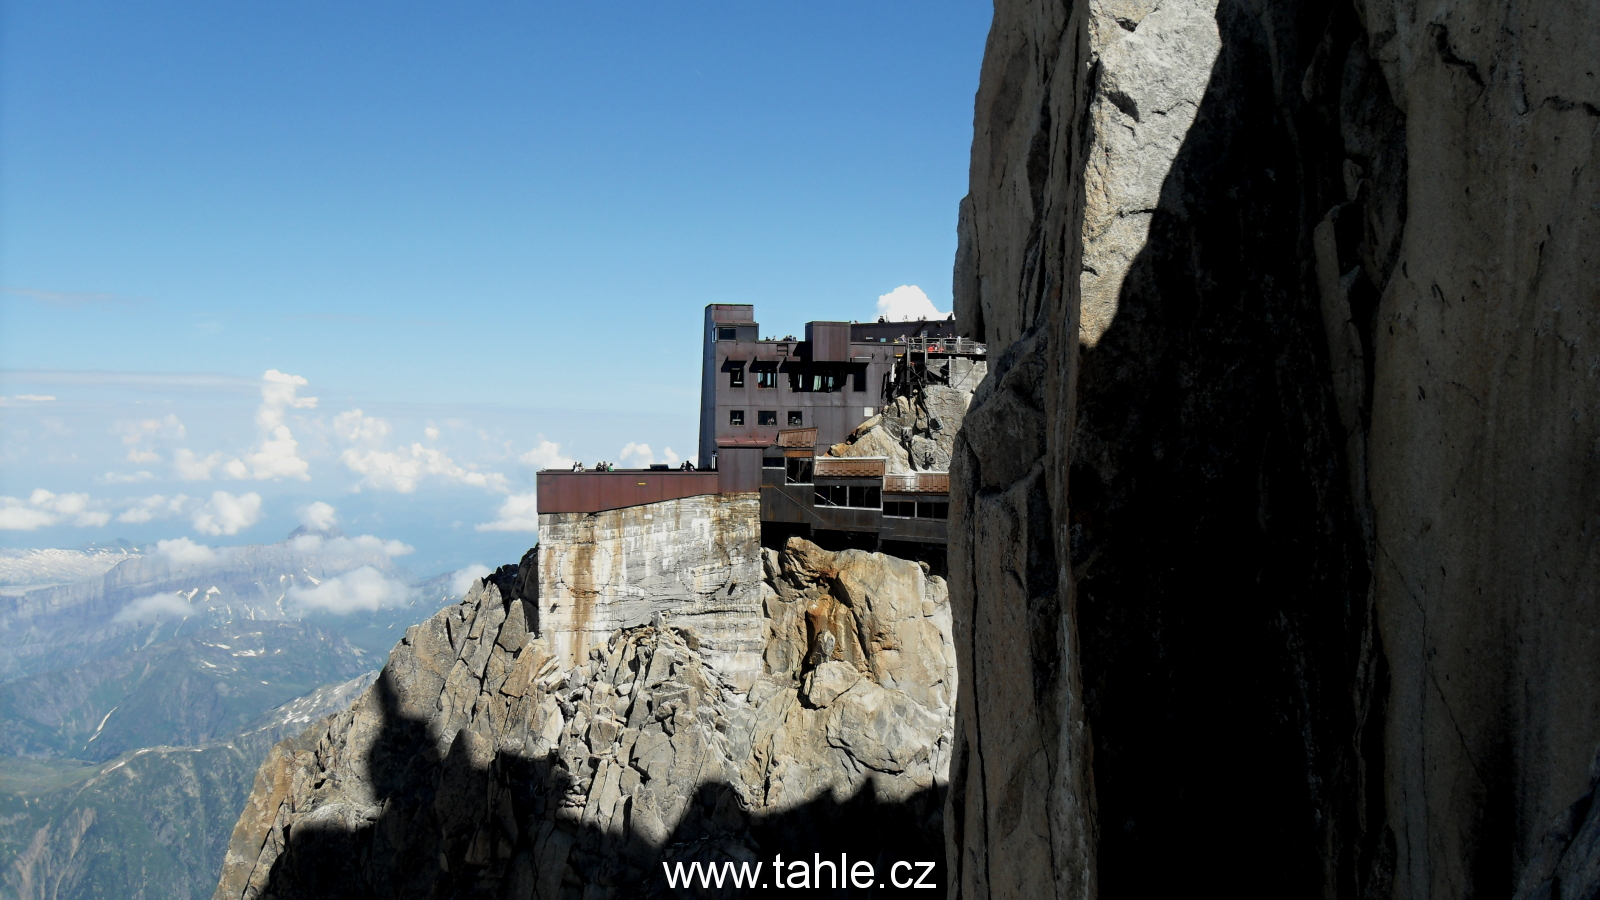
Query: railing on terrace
(944,345)
(917,482)
(850,467)
(797,438)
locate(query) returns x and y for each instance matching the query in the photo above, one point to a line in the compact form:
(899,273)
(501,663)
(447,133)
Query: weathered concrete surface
(475,766)
(695,561)
(1271,527)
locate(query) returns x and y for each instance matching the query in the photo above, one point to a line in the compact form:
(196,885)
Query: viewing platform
(563,491)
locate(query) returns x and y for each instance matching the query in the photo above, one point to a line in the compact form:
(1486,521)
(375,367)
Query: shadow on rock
(452,827)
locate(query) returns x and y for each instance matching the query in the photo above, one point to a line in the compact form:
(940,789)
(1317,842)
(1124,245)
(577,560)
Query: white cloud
(156,506)
(184,552)
(401,469)
(278,393)
(519,512)
(227,514)
(15,516)
(907,302)
(133,478)
(189,467)
(462,580)
(155,606)
(361,589)
(43,509)
(279,453)
(318,516)
(347,546)
(138,436)
(278,457)
(547,455)
(357,427)
(640,456)
(23,399)
(370,542)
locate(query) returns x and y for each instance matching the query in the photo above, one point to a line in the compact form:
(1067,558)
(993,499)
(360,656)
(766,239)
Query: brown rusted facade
(591,492)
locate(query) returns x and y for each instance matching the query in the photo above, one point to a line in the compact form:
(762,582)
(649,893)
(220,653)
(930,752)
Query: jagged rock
(914,432)
(1566,863)
(1281,465)
(476,766)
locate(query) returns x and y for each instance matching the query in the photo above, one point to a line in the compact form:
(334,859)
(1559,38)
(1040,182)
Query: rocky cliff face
(477,766)
(916,431)
(1270,525)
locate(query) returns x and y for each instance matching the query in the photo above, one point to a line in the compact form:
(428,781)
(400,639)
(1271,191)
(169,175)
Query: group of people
(603,466)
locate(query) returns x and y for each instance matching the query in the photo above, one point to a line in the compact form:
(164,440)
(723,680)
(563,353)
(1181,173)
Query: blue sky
(489,227)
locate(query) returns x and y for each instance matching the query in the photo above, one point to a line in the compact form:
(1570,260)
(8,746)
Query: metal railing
(850,466)
(917,482)
(943,345)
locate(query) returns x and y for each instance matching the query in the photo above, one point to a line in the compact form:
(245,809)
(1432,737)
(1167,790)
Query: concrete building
(769,410)
(839,376)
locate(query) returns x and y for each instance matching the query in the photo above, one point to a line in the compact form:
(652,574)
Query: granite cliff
(1273,544)
(477,765)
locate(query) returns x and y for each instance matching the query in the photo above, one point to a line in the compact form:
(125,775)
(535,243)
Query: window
(736,417)
(922,509)
(766,378)
(858,496)
(858,380)
(767,417)
(736,376)
(866,497)
(810,379)
(798,470)
(727,334)
(797,418)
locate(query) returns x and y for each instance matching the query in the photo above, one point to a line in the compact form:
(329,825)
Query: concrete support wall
(696,561)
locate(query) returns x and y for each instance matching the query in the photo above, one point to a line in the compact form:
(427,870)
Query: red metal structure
(589,492)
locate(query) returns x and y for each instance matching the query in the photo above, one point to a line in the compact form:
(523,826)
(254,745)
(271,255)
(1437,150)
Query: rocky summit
(476,766)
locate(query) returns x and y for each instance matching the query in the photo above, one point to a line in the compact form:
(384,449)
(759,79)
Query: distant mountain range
(141,687)
(152,823)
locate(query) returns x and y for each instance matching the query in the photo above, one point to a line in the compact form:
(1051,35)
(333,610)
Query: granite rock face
(1271,524)
(477,766)
(915,431)
(696,560)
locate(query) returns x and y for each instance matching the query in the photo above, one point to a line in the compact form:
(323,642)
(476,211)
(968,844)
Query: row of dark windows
(866,497)
(797,417)
(803,380)
(860,497)
(921,509)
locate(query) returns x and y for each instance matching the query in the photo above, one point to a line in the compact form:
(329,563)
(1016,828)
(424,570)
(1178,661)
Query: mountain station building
(770,408)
